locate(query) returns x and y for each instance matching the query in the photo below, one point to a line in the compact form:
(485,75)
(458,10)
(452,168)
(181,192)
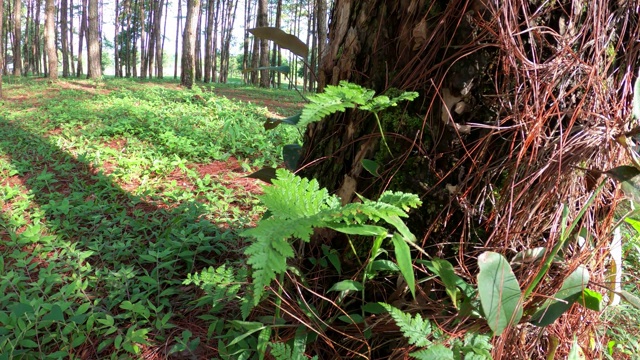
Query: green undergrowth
(111,195)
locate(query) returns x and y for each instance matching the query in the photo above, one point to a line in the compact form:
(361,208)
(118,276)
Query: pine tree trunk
(71,61)
(1,45)
(263,20)
(64,32)
(199,47)
(49,35)
(81,35)
(118,72)
(17,38)
(93,40)
(187,76)
(178,23)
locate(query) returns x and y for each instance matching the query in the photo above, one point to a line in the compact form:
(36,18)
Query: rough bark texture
(93,40)
(64,41)
(50,39)
(187,76)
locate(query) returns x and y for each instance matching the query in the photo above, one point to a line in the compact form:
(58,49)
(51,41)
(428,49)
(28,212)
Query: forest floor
(112,195)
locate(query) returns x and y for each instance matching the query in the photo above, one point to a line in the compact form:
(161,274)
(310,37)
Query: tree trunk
(81,36)
(143,51)
(208,47)
(50,40)
(93,40)
(263,20)
(321,17)
(187,76)
(158,34)
(71,63)
(1,44)
(199,47)
(64,32)
(247,40)
(178,23)
(17,38)
(116,57)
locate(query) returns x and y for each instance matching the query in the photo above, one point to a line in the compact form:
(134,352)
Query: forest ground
(114,193)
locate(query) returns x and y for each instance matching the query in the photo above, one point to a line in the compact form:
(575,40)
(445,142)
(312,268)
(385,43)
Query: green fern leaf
(415,329)
(401,200)
(334,99)
(434,352)
(294,197)
(281,351)
(267,257)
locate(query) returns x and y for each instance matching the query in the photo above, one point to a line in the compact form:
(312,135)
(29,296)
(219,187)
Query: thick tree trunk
(50,40)
(187,76)
(93,37)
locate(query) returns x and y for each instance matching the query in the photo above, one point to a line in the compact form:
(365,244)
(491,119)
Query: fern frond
(334,99)
(415,329)
(281,351)
(267,257)
(434,352)
(294,197)
(401,200)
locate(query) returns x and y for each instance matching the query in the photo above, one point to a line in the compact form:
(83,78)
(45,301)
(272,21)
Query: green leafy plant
(298,205)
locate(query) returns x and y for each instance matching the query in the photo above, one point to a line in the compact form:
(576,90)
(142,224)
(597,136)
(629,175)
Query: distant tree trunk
(93,48)
(255,55)
(17,37)
(199,47)
(50,40)
(321,17)
(64,32)
(1,44)
(71,61)
(116,57)
(187,76)
(247,40)
(227,30)
(276,58)
(26,47)
(81,36)
(157,29)
(178,23)
(263,20)
(143,52)
(208,46)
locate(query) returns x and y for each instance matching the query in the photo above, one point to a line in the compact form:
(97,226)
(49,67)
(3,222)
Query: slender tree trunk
(208,47)
(321,17)
(116,57)
(157,25)
(26,48)
(64,32)
(49,36)
(143,34)
(187,76)
(71,61)
(247,40)
(1,44)
(164,33)
(199,47)
(263,20)
(81,36)
(275,51)
(255,55)
(93,48)
(179,22)
(17,38)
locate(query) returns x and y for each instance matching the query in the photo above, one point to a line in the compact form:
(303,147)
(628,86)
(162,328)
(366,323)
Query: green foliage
(415,329)
(572,289)
(298,205)
(347,95)
(499,292)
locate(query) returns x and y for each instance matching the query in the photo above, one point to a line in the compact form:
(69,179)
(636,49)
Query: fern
(297,206)
(415,329)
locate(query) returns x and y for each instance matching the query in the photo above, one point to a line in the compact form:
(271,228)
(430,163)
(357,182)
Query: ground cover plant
(111,193)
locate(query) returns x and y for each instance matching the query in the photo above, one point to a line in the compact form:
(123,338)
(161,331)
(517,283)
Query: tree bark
(64,41)
(263,20)
(82,37)
(199,47)
(50,40)
(209,47)
(118,71)
(1,44)
(93,51)
(178,23)
(321,17)
(187,76)
(157,29)
(17,38)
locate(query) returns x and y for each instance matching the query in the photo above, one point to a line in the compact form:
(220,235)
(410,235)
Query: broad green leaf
(499,292)
(266,174)
(291,156)
(384,265)
(444,270)
(365,230)
(371,166)
(374,308)
(635,223)
(28,343)
(282,39)
(403,258)
(352,318)
(347,285)
(433,352)
(571,289)
(592,300)
(55,314)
